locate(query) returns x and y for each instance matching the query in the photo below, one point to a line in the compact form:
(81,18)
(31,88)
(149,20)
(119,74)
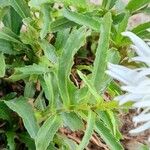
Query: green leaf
(133,5)
(24,110)
(73,121)
(74,42)
(8,35)
(60,24)
(82,19)
(49,51)
(109,119)
(49,88)
(90,86)
(21,7)
(5,112)
(61,38)
(32,69)
(12,20)
(140,28)
(122,27)
(88,131)
(4,3)
(46,132)
(78,3)
(45,8)
(113,57)
(10,140)
(7,48)
(102,52)
(2,65)
(29,89)
(106,135)
(27,140)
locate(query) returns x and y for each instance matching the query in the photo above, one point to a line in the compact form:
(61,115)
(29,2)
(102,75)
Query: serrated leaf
(88,131)
(82,19)
(73,121)
(46,132)
(133,5)
(73,43)
(45,9)
(20,7)
(2,65)
(106,135)
(24,110)
(100,62)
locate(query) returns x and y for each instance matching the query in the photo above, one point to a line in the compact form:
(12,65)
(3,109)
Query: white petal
(128,97)
(137,89)
(142,104)
(144,72)
(141,128)
(138,51)
(138,43)
(121,73)
(141,118)
(142,59)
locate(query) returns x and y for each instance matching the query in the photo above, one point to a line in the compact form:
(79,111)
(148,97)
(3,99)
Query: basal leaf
(22,107)
(46,132)
(102,52)
(2,65)
(88,131)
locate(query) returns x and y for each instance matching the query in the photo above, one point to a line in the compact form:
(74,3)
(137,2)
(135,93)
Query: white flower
(136,82)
